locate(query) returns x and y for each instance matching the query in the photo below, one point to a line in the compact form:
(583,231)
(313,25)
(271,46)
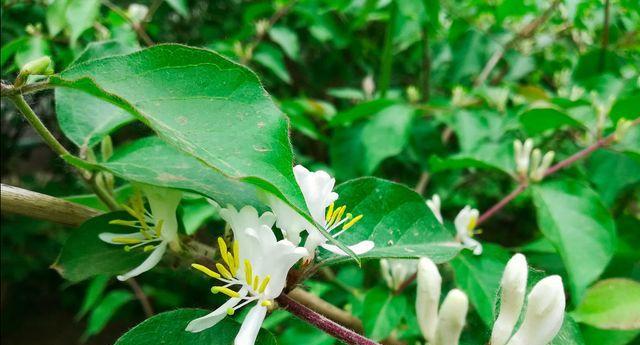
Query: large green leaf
(479,277)
(202,103)
(396,219)
(168,328)
(383,312)
(85,119)
(487,155)
(611,304)
(574,219)
(153,161)
(599,167)
(84,255)
(538,120)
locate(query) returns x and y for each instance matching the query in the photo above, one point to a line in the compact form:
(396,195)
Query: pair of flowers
(542,319)
(255,266)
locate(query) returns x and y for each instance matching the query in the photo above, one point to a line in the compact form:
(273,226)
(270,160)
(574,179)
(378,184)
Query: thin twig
(141,296)
(142,34)
(321,322)
(423,181)
(327,309)
(502,203)
(526,32)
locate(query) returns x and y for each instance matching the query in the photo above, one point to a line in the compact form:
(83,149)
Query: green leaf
(574,219)
(169,328)
(35,47)
(121,194)
(599,167)
(361,111)
(597,336)
(81,14)
(153,161)
(105,310)
(383,312)
(625,107)
(488,155)
(479,277)
(396,219)
(569,333)
(56,16)
(180,6)
(84,255)
(611,304)
(196,213)
(271,57)
(93,294)
(85,119)
(538,120)
(287,40)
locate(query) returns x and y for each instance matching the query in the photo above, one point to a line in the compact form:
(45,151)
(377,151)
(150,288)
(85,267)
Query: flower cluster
(530,163)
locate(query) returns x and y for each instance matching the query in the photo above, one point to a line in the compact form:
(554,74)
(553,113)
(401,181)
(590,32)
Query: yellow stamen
(352,222)
(158,227)
(248,272)
(130,211)
(125,240)
(149,248)
(236,254)
(472,223)
(225,291)
(265,303)
(329,211)
(340,212)
(225,273)
(223,247)
(230,311)
(256,282)
(123,222)
(336,215)
(264,284)
(206,270)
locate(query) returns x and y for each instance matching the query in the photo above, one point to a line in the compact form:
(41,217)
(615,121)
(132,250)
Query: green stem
(35,122)
(387,52)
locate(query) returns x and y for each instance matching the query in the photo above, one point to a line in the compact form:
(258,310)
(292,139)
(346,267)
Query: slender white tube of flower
(257,264)
(513,289)
(544,315)
(451,318)
(428,298)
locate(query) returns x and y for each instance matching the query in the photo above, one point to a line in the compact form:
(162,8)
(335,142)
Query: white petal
(451,318)
(164,203)
(461,221)
(358,248)
(317,189)
(276,262)
(287,219)
(472,244)
(149,263)
(211,319)
(428,297)
(251,326)
(109,236)
(513,288)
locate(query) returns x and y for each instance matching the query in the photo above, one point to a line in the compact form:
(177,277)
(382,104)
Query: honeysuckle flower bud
(397,271)
(434,206)
(39,66)
(137,12)
(413,94)
(465,223)
(317,189)
(156,229)
(368,86)
(256,263)
(522,155)
(544,315)
(427,298)
(262,26)
(513,289)
(451,318)
(538,171)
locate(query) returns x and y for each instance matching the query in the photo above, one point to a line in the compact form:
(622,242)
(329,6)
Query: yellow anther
(127,248)
(472,223)
(236,254)
(131,211)
(206,270)
(329,211)
(223,247)
(352,222)
(123,222)
(248,271)
(256,283)
(158,227)
(225,291)
(225,273)
(263,286)
(149,248)
(125,240)
(266,303)
(230,311)
(146,234)
(339,213)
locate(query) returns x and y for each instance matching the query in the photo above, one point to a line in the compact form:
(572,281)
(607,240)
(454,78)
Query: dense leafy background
(369,88)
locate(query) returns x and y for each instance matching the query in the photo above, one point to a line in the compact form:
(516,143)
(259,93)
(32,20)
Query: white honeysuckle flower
(428,297)
(397,271)
(513,289)
(257,265)
(434,206)
(544,315)
(538,171)
(156,229)
(317,189)
(465,223)
(451,318)
(522,155)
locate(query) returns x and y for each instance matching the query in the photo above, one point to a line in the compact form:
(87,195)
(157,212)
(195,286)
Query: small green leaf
(287,40)
(84,255)
(383,312)
(396,219)
(169,328)
(538,120)
(271,57)
(180,6)
(81,14)
(574,219)
(105,310)
(611,304)
(56,16)
(93,294)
